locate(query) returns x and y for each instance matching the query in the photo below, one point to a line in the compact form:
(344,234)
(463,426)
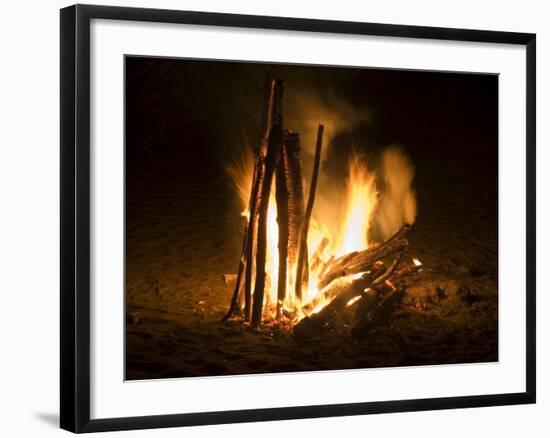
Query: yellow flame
(361,200)
(272,257)
(359,203)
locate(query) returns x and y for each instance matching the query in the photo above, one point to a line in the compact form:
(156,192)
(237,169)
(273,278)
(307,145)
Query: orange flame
(361,200)
(359,203)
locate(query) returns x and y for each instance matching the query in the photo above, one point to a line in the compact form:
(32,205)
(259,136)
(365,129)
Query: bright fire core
(360,199)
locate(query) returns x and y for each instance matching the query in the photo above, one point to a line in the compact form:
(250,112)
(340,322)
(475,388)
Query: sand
(184,232)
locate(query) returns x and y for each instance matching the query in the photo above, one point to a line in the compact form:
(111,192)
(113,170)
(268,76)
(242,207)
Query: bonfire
(293,272)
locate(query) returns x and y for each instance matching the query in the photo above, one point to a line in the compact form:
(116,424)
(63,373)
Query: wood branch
(302,254)
(368,299)
(267,111)
(281,196)
(386,275)
(402,274)
(360,261)
(272,155)
(251,232)
(259,168)
(293,174)
(238,285)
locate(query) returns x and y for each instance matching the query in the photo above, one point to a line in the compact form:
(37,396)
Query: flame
(417,262)
(272,257)
(360,200)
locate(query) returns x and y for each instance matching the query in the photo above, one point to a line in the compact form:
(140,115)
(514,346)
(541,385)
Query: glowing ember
(353,300)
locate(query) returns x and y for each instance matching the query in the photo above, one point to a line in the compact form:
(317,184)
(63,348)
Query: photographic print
(293,218)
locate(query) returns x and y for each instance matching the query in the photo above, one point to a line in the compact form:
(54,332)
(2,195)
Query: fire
(360,200)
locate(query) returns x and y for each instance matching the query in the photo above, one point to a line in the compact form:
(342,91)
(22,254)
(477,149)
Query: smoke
(305,110)
(398,200)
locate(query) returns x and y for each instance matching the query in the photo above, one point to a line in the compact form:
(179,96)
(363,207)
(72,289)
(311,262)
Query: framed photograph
(268,218)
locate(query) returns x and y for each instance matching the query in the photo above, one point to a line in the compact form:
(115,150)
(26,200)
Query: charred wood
(281,196)
(311,324)
(360,261)
(238,284)
(293,175)
(272,155)
(251,233)
(302,270)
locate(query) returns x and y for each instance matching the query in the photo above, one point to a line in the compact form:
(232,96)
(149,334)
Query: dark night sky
(191,113)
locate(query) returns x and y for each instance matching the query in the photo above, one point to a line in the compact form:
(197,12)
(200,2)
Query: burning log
(360,261)
(248,237)
(271,157)
(293,175)
(281,196)
(302,255)
(386,276)
(250,240)
(366,301)
(257,179)
(242,262)
(330,292)
(311,324)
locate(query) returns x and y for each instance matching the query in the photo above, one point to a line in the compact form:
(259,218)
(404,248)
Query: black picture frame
(75,217)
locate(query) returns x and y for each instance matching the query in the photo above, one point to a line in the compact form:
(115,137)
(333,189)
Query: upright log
(267,110)
(293,174)
(267,116)
(302,254)
(274,145)
(281,196)
(240,274)
(251,238)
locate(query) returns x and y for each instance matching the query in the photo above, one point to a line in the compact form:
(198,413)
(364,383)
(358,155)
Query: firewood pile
(366,301)
(362,285)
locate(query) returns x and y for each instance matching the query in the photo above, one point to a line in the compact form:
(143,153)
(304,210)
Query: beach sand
(184,231)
